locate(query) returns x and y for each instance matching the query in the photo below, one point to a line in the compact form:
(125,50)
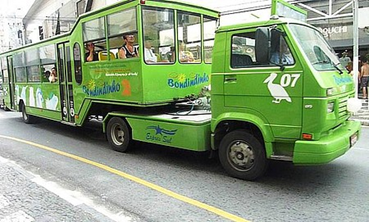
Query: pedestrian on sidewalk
(364,76)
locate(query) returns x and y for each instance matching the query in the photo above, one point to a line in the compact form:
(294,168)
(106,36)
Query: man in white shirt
(150,56)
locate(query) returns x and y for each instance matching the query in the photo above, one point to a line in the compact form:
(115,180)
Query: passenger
(53,71)
(128,50)
(91,55)
(47,74)
(52,77)
(282,55)
(150,56)
(184,56)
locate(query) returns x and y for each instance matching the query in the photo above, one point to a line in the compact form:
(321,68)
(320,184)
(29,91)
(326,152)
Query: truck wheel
(242,155)
(118,134)
(28,119)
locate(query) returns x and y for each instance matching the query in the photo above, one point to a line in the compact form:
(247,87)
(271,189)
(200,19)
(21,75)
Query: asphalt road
(57,172)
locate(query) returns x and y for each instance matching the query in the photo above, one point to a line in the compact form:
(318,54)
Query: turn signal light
(307,136)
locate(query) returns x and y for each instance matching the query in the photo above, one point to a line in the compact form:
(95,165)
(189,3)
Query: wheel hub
(241,155)
(118,134)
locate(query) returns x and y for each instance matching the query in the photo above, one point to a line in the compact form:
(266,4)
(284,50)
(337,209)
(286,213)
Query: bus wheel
(118,134)
(27,118)
(242,155)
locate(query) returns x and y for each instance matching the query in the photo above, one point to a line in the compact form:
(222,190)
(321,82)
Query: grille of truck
(342,107)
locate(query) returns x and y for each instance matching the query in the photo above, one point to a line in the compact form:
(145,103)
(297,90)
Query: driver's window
(280,52)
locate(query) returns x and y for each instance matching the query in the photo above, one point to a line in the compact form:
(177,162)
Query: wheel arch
(229,122)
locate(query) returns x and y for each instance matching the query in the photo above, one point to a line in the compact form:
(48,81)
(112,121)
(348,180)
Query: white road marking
(76,198)
(18,216)
(3,202)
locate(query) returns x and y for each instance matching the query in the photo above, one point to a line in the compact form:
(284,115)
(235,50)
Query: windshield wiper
(321,62)
(329,62)
(338,69)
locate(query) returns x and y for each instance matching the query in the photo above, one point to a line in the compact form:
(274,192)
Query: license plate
(353,139)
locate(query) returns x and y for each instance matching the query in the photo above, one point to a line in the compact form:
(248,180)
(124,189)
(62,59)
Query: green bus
(109,83)
(275,87)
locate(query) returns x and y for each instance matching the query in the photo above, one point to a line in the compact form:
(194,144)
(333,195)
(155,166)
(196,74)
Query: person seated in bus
(149,55)
(47,75)
(53,71)
(282,55)
(184,56)
(52,77)
(170,56)
(128,50)
(91,55)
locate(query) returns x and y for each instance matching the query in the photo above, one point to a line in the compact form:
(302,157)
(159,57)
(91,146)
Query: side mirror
(262,37)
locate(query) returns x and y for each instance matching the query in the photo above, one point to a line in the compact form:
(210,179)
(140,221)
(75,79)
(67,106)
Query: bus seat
(104,56)
(240,60)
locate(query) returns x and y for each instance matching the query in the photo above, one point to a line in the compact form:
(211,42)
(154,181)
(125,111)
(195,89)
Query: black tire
(28,119)
(242,155)
(119,134)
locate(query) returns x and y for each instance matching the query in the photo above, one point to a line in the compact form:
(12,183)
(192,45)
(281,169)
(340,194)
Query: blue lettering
(197,80)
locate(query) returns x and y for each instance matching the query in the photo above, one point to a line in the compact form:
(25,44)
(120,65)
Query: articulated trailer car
(270,90)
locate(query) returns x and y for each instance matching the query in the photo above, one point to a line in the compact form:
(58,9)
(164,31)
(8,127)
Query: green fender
(263,126)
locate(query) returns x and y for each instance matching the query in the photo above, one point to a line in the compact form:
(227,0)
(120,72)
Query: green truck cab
(278,92)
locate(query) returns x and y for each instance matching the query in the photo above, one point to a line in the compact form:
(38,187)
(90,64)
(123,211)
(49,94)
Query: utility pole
(355,30)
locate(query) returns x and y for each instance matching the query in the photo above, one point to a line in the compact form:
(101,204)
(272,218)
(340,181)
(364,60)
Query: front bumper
(329,147)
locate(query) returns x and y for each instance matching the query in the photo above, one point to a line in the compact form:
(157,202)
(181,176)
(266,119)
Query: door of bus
(13,97)
(65,81)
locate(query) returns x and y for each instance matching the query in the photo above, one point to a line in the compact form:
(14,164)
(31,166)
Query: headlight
(330,107)
(353,105)
(329,91)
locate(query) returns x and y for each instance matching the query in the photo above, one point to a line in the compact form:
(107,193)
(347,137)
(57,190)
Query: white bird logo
(277,91)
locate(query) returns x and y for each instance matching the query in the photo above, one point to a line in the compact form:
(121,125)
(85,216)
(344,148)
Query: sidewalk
(363,114)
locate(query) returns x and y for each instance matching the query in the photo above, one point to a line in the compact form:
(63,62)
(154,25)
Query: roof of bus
(161,3)
(272,21)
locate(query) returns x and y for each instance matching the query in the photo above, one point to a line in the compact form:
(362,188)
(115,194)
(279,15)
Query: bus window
(4,69)
(189,36)
(158,32)
(77,63)
(94,38)
(1,78)
(46,71)
(119,24)
(48,61)
(20,74)
(33,73)
(32,65)
(209,35)
(19,67)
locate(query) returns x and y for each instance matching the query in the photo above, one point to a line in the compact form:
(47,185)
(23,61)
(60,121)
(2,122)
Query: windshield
(319,53)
